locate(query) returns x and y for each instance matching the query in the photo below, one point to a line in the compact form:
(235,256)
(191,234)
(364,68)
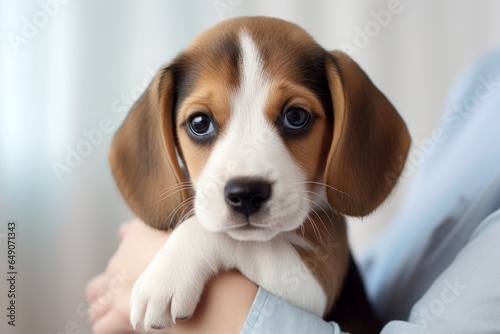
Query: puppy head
(264,120)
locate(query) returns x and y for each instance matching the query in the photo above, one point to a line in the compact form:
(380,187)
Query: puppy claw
(157,327)
(135,317)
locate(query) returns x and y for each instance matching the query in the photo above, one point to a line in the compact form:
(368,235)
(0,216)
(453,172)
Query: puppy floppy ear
(370,140)
(143,157)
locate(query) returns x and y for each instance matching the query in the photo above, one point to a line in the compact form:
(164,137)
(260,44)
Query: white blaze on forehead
(254,84)
(248,102)
(249,132)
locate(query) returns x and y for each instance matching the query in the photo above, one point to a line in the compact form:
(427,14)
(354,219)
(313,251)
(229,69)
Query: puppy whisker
(170,217)
(332,238)
(185,183)
(322,199)
(174,191)
(317,232)
(317,205)
(185,204)
(318,215)
(325,185)
(185,216)
(311,208)
(321,219)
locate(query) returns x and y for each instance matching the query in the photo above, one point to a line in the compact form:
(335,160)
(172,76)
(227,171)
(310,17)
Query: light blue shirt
(437,267)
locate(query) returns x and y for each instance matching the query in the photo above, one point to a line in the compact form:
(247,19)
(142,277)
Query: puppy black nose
(246,195)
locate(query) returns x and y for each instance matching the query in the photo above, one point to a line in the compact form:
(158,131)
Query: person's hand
(109,292)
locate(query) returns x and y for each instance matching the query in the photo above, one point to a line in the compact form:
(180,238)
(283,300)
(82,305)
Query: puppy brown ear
(370,140)
(143,157)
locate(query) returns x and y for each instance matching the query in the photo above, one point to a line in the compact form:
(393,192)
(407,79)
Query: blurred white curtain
(69,66)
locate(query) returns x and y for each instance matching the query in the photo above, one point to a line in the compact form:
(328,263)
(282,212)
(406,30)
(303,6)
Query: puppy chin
(252,234)
(237,229)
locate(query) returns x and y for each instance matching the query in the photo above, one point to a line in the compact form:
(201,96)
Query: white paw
(167,291)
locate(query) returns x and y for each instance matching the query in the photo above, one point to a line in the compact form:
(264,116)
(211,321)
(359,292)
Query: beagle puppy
(252,145)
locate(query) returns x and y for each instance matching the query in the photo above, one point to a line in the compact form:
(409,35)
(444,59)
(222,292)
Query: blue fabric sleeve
(272,315)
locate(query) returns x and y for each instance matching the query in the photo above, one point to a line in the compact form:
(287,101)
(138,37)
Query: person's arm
(464,299)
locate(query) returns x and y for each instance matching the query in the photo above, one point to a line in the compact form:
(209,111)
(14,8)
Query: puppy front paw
(164,293)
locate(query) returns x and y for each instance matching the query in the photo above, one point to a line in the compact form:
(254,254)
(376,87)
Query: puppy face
(268,126)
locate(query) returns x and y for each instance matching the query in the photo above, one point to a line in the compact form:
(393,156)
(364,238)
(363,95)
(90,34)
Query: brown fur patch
(329,258)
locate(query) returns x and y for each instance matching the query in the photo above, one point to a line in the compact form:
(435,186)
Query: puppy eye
(295,118)
(201,125)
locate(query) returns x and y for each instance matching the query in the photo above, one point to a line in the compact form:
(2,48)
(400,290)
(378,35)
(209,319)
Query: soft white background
(90,54)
